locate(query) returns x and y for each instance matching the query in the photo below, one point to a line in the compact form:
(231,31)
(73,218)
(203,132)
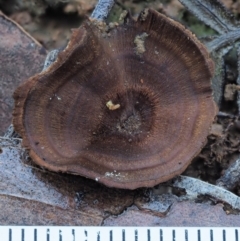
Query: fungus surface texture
(129,108)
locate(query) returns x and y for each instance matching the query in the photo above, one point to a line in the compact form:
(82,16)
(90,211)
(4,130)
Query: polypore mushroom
(129,108)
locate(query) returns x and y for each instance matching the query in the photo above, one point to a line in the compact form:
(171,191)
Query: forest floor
(50,23)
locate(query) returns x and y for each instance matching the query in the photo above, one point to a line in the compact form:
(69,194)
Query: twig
(195,187)
(51,57)
(231,177)
(224,40)
(102,9)
(227,115)
(100,13)
(213,14)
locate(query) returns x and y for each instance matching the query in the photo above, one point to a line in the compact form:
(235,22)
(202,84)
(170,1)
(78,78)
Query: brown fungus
(163,95)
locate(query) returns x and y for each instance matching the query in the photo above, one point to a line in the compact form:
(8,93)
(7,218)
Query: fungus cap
(129,108)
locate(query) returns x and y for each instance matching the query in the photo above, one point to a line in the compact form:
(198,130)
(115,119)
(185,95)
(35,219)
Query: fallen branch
(102,9)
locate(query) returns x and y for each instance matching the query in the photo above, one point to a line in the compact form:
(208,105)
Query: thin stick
(195,187)
(102,9)
(224,40)
(230,179)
